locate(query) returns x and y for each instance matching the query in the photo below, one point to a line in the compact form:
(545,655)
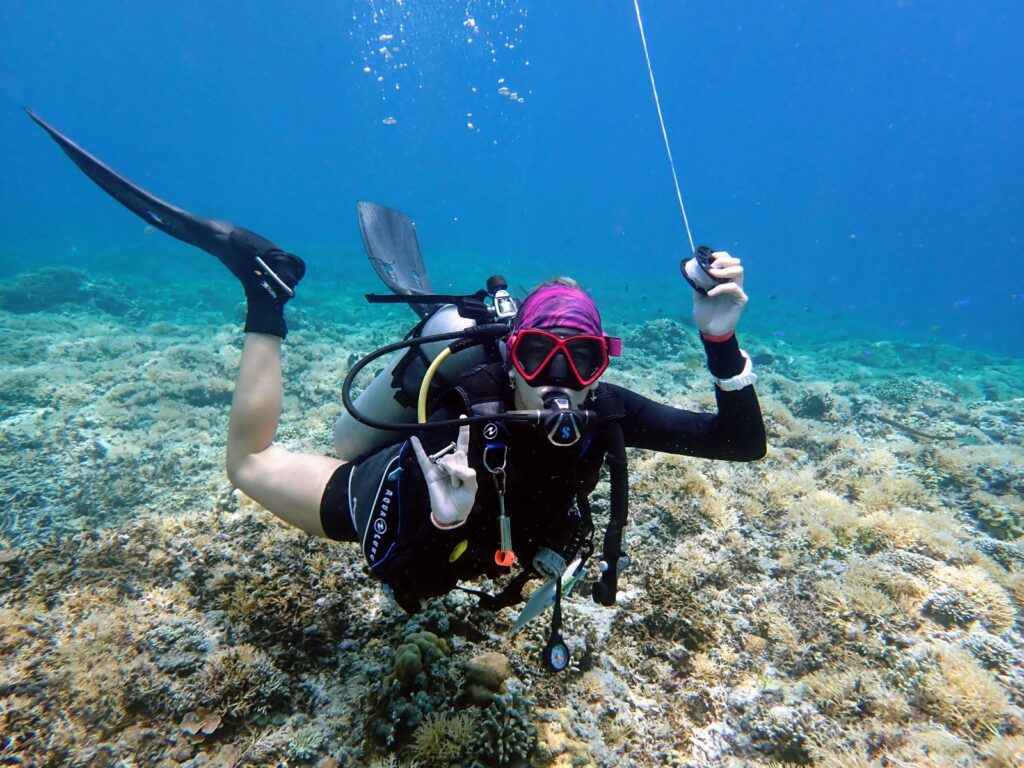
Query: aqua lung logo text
(380,525)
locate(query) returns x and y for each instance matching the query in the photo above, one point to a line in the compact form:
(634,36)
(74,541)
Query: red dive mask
(532,351)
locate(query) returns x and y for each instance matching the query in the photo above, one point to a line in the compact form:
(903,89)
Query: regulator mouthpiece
(563,425)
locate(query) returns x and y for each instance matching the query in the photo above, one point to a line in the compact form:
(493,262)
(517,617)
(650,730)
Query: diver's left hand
(451,482)
(718,313)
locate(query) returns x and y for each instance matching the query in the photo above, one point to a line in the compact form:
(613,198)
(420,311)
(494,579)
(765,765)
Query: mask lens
(588,356)
(532,351)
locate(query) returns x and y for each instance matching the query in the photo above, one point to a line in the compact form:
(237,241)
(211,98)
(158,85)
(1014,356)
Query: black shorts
(363,502)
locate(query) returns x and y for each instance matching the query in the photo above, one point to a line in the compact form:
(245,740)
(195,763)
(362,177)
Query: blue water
(863,158)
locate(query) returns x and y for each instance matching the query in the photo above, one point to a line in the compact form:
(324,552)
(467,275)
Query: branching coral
(444,739)
(980,598)
(859,592)
(241,681)
(955,690)
(1004,752)
(99,664)
(506,737)
(785,732)
(928,533)
(685,614)
(856,693)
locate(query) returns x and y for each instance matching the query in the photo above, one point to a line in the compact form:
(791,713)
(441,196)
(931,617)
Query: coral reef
(53,288)
(853,600)
(506,735)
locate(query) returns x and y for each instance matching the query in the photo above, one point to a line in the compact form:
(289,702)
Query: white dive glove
(718,313)
(450,481)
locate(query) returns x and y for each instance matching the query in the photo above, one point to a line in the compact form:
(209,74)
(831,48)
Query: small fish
(778,334)
(961,302)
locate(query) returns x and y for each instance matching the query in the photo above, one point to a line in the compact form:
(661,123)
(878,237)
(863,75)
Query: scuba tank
(392,394)
(391,397)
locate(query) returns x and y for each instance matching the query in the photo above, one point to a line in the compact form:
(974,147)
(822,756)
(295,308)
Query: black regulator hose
(475,334)
(607,586)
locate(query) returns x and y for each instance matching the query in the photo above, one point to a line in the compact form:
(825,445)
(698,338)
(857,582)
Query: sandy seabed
(852,600)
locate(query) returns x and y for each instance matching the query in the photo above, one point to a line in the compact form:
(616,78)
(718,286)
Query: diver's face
(556,378)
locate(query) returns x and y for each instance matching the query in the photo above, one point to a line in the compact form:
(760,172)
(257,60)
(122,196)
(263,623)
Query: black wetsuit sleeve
(735,432)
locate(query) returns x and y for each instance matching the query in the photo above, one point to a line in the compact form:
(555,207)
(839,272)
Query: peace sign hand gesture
(450,480)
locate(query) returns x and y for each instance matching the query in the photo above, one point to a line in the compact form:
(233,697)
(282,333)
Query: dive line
(661,120)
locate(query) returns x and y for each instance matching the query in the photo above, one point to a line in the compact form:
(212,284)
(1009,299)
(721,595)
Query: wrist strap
(744,378)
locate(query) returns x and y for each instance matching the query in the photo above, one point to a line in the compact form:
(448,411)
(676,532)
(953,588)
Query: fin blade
(539,601)
(394,252)
(207,234)
(544,596)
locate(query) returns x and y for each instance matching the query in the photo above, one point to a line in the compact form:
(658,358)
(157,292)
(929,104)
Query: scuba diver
(477,448)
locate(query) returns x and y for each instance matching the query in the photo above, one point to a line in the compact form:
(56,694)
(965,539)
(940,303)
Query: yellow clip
(457,552)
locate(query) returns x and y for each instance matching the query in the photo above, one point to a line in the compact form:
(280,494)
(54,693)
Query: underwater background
(852,600)
(862,158)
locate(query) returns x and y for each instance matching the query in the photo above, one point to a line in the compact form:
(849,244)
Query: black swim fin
(248,255)
(394,252)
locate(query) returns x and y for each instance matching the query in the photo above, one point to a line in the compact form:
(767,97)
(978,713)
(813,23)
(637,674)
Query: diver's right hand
(451,482)
(718,313)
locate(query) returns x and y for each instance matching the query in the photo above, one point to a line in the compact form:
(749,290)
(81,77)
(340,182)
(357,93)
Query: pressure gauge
(556,655)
